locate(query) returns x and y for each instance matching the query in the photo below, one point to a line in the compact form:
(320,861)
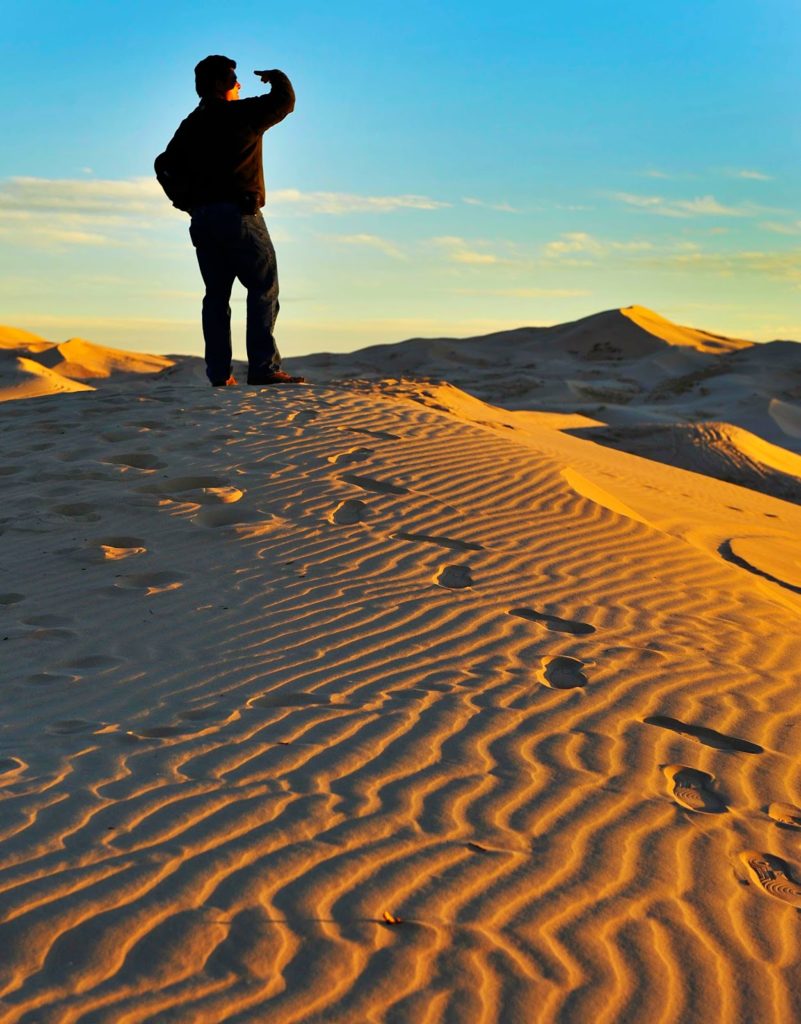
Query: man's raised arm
(279,102)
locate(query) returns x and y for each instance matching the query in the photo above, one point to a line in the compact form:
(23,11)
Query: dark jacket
(215,155)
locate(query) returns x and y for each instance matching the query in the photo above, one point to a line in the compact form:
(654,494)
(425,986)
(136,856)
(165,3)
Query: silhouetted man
(212,168)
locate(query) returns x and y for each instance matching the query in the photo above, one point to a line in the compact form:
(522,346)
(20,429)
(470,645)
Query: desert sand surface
(474,697)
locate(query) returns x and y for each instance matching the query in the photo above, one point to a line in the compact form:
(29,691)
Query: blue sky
(450,169)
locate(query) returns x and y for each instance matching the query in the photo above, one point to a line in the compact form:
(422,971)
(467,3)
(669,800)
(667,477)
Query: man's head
(215,78)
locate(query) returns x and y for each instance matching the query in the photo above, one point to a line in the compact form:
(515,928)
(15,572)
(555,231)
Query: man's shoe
(224,383)
(274,377)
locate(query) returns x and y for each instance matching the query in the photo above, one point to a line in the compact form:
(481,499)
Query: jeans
(231,244)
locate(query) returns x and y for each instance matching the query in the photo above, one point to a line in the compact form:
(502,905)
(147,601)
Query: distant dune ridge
(460,685)
(725,407)
(31,367)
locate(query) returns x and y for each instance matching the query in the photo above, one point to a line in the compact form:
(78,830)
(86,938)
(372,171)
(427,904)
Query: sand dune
(83,360)
(687,397)
(372,701)
(719,450)
(21,377)
(674,334)
(25,341)
(74,359)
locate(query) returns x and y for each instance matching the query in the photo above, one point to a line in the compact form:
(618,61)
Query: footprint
(79,510)
(136,460)
(770,874)
(10,599)
(455,577)
(116,548)
(47,620)
(73,725)
(349,512)
(48,679)
(179,484)
(224,515)
(553,622)
(51,633)
(11,764)
(219,496)
(690,789)
(198,490)
(443,542)
(88,474)
(786,815)
(213,496)
(710,737)
(303,415)
(368,483)
(354,455)
(562,673)
(150,582)
(92,661)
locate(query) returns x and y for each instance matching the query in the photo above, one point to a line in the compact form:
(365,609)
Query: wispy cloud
(144,195)
(749,175)
(474,258)
(501,207)
(699,206)
(48,236)
(580,249)
(371,242)
(654,172)
(573,243)
(524,293)
(90,323)
(95,212)
(785,266)
(743,173)
(82,195)
(782,228)
(65,212)
(660,174)
(476,252)
(292,199)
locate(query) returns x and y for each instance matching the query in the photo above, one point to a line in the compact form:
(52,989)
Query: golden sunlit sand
(473,698)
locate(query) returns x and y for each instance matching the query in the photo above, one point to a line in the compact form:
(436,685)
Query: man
(212,169)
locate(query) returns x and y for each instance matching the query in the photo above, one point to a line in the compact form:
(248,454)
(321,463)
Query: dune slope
(23,377)
(714,449)
(677,394)
(59,365)
(371,702)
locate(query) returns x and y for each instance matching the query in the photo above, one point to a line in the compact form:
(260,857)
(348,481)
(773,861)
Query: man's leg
(218,270)
(258,271)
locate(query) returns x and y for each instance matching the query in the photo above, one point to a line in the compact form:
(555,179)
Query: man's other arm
(279,102)
(173,170)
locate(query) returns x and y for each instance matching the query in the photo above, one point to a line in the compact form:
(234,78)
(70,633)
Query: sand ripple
(458,736)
